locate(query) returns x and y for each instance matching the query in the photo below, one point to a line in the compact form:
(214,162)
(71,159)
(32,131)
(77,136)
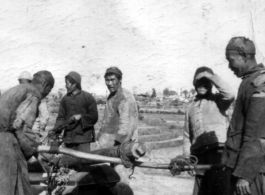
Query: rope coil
(180,163)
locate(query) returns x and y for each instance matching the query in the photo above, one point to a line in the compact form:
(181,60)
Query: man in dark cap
(206,125)
(78,108)
(18,111)
(120,117)
(244,152)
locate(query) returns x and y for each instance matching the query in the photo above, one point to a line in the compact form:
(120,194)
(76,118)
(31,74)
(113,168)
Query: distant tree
(153,93)
(172,92)
(166,92)
(185,92)
(192,91)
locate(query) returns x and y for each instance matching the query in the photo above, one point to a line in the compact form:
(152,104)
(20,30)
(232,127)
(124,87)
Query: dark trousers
(213,182)
(216,181)
(83,147)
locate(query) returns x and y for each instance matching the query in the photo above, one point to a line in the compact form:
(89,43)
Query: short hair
(72,81)
(244,47)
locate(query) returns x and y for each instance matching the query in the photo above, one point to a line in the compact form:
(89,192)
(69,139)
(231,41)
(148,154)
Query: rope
(177,165)
(121,150)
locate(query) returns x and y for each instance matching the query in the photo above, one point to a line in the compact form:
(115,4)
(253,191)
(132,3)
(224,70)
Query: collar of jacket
(74,94)
(111,95)
(257,68)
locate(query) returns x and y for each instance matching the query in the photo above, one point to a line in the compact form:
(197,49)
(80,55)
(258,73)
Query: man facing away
(43,116)
(244,152)
(206,125)
(120,117)
(18,111)
(80,108)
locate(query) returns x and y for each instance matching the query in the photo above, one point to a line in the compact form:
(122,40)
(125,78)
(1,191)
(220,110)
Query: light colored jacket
(120,122)
(206,120)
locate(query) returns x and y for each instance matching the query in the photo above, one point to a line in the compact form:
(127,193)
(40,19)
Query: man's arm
(91,117)
(61,118)
(186,135)
(251,155)
(227,94)
(27,113)
(128,120)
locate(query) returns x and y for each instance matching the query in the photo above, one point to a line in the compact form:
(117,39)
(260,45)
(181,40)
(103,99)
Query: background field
(162,135)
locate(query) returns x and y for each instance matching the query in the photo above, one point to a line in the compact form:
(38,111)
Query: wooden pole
(106,159)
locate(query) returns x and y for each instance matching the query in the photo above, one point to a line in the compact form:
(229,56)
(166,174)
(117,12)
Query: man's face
(203,86)
(236,63)
(69,86)
(46,90)
(112,82)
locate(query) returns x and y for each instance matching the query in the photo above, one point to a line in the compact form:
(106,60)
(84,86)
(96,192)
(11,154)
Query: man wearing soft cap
(244,152)
(79,108)
(120,117)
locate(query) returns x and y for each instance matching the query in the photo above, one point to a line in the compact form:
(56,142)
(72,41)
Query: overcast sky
(155,43)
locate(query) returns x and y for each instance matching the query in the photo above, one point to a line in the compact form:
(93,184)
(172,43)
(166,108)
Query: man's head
(240,53)
(72,82)
(113,78)
(202,86)
(43,81)
(24,77)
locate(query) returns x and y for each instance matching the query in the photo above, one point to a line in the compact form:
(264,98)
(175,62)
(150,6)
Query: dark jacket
(82,103)
(244,151)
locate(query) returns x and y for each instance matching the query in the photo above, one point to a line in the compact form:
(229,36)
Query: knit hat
(114,70)
(25,75)
(200,70)
(241,44)
(76,76)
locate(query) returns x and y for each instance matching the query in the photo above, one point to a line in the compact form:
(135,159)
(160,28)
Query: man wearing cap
(24,77)
(120,117)
(244,152)
(206,125)
(79,108)
(43,116)
(18,111)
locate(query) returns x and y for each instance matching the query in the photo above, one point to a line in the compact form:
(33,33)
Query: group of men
(21,105)
(210,135)
(237,143)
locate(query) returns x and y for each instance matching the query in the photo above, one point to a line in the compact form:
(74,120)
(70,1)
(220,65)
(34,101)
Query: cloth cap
(76,76)
(114,70)
(47,76)
(241,44)
(25,75)
(200,70)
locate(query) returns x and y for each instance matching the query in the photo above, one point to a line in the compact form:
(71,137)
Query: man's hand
(204,74)
(18,123)
(243,187)
(76,117)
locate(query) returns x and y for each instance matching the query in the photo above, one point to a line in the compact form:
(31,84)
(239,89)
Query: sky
(156,44)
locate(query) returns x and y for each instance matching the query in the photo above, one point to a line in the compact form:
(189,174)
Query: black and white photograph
(130,97)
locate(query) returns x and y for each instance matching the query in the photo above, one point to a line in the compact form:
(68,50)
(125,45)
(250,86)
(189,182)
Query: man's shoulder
(126,94)
(259,80)
(24,89)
